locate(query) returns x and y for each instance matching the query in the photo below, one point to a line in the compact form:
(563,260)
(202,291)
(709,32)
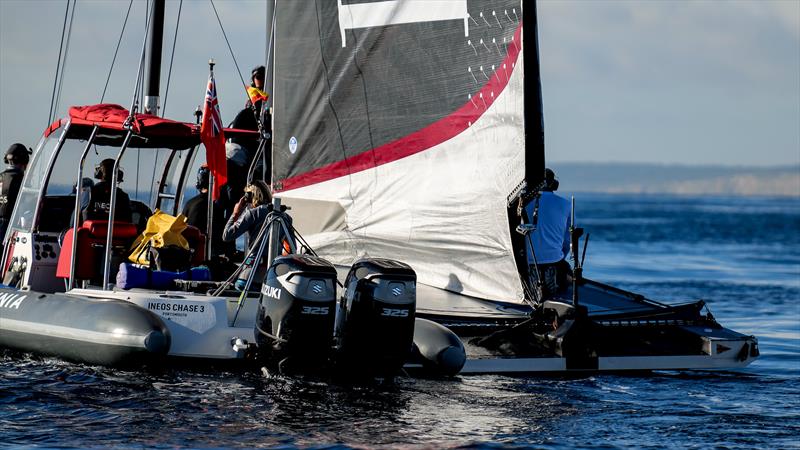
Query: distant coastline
(638,178)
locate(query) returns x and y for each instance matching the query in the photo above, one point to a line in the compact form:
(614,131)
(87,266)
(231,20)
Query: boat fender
(157,342)
(438,348)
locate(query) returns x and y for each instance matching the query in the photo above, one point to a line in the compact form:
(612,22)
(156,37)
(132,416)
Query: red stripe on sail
(434,134)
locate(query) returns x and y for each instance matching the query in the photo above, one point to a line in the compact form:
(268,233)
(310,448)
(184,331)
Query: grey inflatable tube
(438,349)
(105,332)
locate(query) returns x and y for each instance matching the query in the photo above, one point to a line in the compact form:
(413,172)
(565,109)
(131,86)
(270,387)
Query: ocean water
(741,255)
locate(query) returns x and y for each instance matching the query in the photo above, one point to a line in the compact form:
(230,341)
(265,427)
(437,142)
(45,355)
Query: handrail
(77,211)
(112,208)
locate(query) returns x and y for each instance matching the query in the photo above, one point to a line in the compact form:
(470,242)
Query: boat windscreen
(35,174)
(141,169)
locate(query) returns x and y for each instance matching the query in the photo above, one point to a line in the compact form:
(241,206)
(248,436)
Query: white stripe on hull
(615,363)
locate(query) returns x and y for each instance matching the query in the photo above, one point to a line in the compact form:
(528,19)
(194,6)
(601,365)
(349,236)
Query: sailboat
(413,130)
(405,135)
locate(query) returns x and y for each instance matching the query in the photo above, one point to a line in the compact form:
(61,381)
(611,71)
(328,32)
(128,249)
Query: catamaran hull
(613,330)
(105,332)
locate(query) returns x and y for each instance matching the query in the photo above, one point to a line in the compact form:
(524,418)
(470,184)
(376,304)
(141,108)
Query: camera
(248,196)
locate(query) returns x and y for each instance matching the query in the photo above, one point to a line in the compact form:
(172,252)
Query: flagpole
(210,199)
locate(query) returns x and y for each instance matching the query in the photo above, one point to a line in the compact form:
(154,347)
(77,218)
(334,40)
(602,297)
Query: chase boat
(63,300)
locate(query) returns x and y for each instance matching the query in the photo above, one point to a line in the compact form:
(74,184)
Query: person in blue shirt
(550,216)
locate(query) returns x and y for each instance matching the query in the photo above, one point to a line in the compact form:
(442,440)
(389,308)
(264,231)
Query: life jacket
(10,182)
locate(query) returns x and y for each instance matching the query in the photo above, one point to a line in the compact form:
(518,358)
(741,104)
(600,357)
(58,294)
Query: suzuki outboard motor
(296,312)
(375,319)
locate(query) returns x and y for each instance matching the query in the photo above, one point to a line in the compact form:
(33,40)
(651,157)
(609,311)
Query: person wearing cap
(99,204)
(240,150)
(255,93)
(16,159)
(550,216)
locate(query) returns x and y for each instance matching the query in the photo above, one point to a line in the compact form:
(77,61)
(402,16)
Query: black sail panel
(384,84)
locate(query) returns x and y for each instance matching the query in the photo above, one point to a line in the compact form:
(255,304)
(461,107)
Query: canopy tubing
(150,131)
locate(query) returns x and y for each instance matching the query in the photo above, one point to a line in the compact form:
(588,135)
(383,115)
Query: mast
(156,36)
(270,63)
(534,110)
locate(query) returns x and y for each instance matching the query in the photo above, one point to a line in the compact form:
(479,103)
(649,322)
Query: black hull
(610,330)
(104,332)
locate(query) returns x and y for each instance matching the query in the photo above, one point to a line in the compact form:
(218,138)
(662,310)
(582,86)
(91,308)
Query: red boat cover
(150,131)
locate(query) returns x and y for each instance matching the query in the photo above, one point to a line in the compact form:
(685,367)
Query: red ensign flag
(214,138)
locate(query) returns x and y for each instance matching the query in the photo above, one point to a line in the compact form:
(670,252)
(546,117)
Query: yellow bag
(162,230)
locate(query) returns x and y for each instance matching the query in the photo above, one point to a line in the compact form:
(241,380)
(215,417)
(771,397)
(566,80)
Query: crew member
(250,214)
(550,216)
(196,210)
(99,204)
(16,158)
(240,150)
(257,95)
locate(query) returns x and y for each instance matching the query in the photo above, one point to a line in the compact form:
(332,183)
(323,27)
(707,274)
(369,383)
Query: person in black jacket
(196,212)
(16,158)
(100,196)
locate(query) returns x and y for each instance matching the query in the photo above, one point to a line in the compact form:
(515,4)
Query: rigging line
(171,59)
(58,67)
(114,60)
(139,72)
(64,62)
(235,63)
(153,179)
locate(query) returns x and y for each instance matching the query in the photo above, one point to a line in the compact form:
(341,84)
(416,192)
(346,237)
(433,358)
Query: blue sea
(741,255)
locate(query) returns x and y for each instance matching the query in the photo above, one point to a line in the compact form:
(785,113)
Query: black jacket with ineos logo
(100,204)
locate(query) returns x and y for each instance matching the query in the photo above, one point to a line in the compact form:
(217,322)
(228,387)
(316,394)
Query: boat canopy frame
(112,126)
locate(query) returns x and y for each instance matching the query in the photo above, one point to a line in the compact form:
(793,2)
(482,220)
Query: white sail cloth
(442,210)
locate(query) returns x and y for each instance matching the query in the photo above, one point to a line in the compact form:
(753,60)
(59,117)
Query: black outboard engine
(375,319)
(296,312)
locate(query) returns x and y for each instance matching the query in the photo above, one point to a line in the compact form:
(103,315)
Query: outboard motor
(296,312)
(375,318)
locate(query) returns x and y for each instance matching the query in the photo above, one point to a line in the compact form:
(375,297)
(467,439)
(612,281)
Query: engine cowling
(296,314)
(375,318)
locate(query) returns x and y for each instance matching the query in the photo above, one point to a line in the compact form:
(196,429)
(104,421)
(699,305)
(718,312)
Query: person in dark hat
(255,92)
(16,159)
(99,204)
(550,216)
(196,212)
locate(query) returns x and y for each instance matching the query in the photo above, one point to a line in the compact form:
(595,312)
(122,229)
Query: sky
(662,81)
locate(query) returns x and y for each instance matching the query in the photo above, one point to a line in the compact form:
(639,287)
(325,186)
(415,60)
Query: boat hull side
(93,331)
